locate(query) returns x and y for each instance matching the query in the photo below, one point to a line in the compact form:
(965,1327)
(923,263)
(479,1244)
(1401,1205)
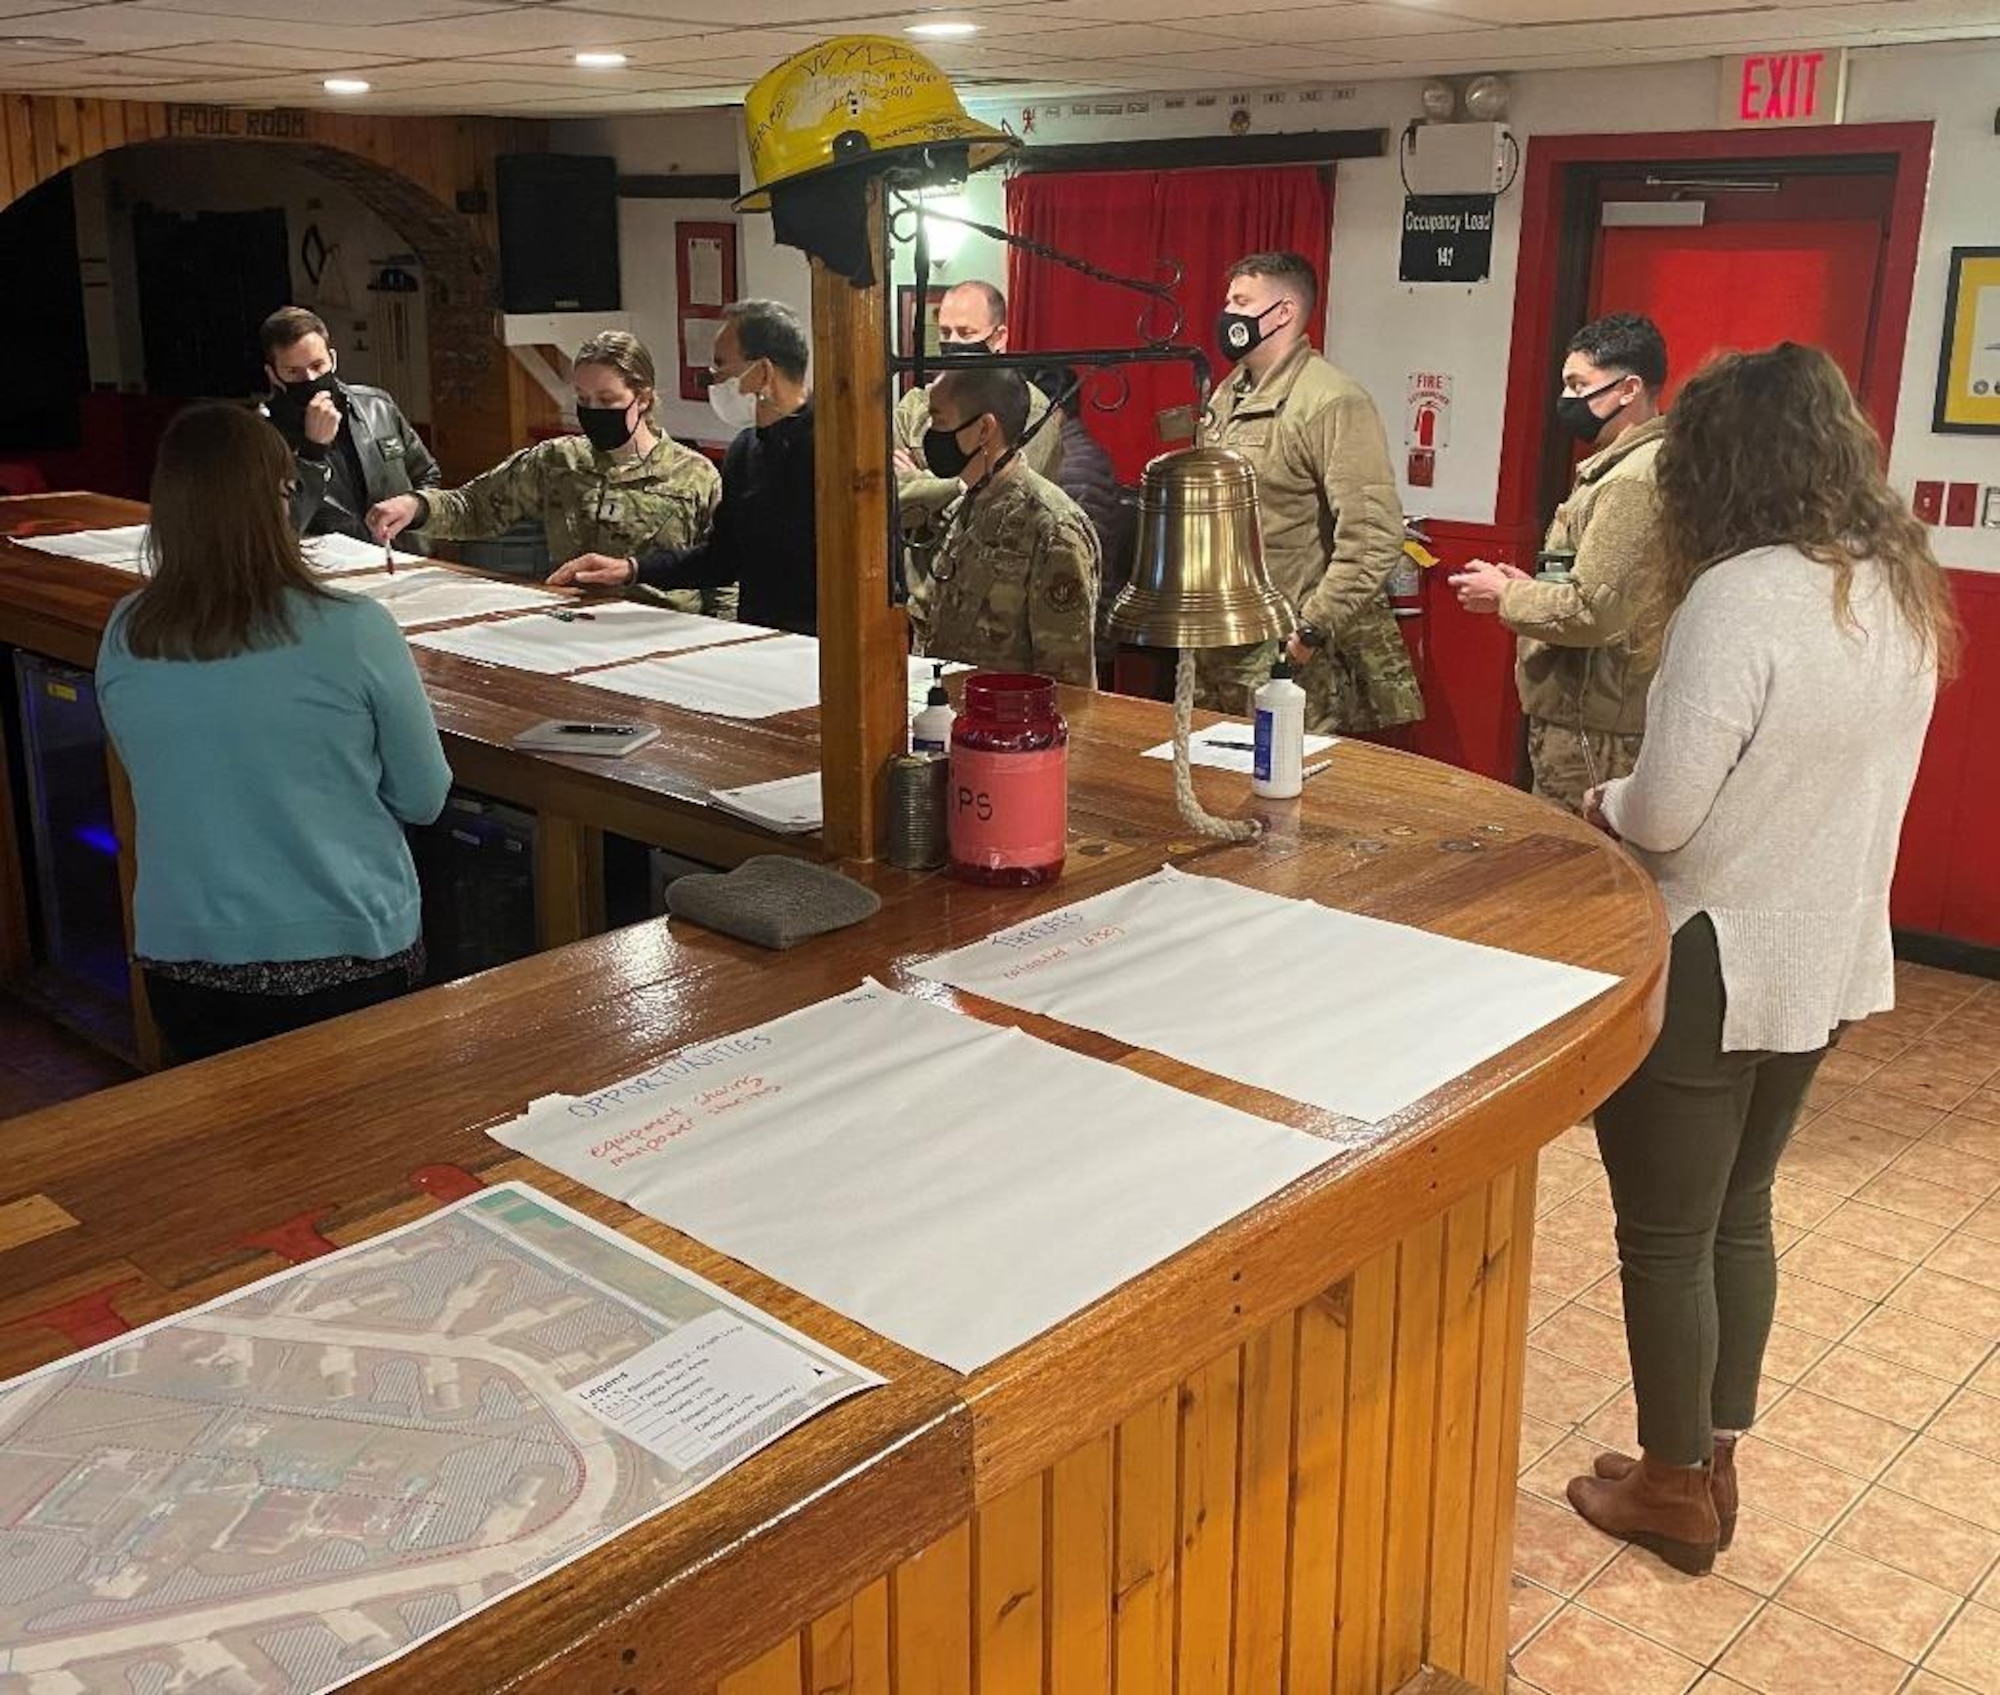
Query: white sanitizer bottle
(930,730)
(1277,770)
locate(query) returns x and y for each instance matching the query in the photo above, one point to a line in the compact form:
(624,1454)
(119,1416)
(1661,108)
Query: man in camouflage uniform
(1014,584)
(654,494)
(972,318)
(1583,689)
(1333,524)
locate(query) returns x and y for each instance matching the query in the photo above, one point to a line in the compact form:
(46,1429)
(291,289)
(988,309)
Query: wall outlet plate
(1929,502)
(1961,505)
(1989,517)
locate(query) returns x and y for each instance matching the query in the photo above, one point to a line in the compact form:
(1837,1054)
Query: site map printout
(280,1491)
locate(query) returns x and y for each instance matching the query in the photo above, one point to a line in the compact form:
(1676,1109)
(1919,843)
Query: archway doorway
(414,173)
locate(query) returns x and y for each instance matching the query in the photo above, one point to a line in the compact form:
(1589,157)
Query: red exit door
(1774,260)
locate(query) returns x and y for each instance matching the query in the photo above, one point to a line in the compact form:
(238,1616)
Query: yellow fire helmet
(849,100)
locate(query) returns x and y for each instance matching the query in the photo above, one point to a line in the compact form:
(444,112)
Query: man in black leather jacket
(352,444)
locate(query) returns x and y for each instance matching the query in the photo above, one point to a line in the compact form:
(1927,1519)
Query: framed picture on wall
(1968,388)
(907,323)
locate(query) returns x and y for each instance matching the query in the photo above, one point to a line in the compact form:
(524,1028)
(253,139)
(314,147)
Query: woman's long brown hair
(222,556)
(1769,449)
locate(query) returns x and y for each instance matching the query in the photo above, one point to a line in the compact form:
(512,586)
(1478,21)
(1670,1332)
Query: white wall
(681,143)
(194,177)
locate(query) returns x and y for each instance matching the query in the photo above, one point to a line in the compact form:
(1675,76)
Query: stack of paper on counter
(956,1186)
(758,679)
(1358,1016)
(789,805)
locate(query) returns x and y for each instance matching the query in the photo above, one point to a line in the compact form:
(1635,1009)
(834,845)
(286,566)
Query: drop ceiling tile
(1353,23)
(251,55)
(293,13)
(1584,11)
(820,18)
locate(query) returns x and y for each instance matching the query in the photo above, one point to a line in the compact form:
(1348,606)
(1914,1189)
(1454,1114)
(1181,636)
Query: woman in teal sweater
(277,738)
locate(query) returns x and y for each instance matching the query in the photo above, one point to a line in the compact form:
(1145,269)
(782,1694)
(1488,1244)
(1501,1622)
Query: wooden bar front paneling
(1224,1486)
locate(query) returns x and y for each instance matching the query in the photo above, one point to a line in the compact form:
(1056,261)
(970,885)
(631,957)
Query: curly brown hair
(1769,449)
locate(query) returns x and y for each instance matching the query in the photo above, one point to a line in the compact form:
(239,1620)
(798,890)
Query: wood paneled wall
(409,170)
(1309,1513)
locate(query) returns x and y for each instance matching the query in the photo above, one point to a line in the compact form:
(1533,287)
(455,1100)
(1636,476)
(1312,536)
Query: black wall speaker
(558,232)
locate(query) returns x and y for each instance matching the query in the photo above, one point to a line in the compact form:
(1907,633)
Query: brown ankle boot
(1667,1510)
(1721,1483)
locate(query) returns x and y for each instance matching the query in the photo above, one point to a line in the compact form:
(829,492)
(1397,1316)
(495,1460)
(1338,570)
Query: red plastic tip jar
(1009,805)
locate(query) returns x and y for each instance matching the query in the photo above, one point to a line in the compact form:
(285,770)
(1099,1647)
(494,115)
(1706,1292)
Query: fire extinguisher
(1406,583)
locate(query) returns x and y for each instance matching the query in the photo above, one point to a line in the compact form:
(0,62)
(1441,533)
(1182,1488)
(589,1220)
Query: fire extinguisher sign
(1426,424)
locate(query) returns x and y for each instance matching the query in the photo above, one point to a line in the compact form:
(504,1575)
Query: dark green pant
(1691,1144)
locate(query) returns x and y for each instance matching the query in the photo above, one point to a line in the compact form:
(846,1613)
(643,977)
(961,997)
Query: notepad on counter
(789,805)
(919,1170)
(434,595)
(600,633)
(1355,1015)
(1230,746)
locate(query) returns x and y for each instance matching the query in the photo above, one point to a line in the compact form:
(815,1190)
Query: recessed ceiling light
(942,31)
(41,41)
(345,85)
(600,61)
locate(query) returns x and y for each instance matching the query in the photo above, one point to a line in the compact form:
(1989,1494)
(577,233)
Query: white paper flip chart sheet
(334,552)
(370,1448)
(792,805)
(604,633)
(750,680)
(955,1186)
(121,548)
(1230,746)
(1352,1014)
(432,595)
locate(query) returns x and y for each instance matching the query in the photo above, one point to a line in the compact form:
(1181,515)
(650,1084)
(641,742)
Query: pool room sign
(236,124)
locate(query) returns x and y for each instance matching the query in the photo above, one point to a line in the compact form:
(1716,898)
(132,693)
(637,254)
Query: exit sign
(1807,85)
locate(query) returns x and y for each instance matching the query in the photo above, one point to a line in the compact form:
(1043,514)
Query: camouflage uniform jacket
(1016,585)
(589,502)
(921,498)
(1576,666)
(1333,523)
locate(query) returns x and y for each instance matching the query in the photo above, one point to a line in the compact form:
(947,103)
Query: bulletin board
(705,278)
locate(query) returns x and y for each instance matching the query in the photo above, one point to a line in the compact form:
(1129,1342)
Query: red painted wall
(1948,872)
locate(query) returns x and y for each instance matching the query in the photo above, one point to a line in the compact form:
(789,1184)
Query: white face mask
(737,410)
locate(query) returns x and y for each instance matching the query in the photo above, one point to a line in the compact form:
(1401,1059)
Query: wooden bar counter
(1282,1460)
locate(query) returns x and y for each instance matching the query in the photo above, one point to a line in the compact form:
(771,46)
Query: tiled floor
(42,1064)
(1867,1559)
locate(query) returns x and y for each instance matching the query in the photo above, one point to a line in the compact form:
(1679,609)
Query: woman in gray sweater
(1806,624)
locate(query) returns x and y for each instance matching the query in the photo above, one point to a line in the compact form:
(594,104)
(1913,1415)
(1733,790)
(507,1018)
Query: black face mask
(943,454)
(963,349)
(1574,414)
(299,395)
(1236,333)
(606,426)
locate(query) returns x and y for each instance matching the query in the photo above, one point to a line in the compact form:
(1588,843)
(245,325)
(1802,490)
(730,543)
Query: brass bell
(1198,578)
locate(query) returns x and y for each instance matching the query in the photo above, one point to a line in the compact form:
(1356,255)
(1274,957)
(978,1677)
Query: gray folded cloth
(772,900)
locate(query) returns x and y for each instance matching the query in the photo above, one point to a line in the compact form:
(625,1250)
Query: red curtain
(1131,222)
